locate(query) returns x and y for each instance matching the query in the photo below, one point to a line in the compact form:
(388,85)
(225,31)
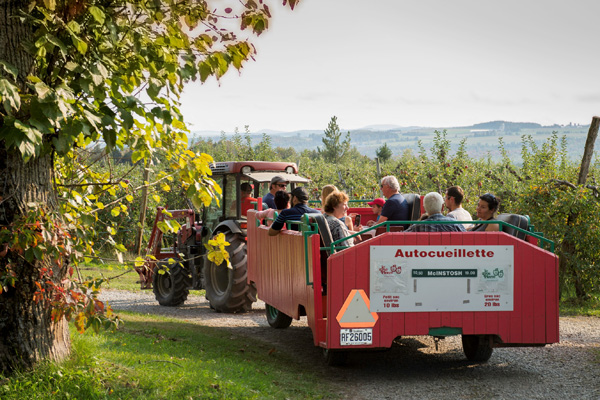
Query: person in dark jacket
(396,207)
(299,202)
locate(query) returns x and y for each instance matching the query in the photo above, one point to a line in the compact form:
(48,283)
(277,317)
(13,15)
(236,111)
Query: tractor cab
(243,185)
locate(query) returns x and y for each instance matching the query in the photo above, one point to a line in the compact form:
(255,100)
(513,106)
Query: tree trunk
(27,333)
(588,151)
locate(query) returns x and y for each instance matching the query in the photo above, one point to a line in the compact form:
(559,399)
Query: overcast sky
(435,63)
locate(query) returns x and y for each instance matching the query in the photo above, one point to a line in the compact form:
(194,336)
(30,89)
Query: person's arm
(277,225)
(348,222)
(382,219)
(492,228)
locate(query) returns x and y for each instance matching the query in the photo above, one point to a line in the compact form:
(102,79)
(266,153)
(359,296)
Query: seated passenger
(335,208)
(396,207)
(433,202)
(453,200)
(326,191)
(299,202)
(246,197)
(376,206)
(486,211)
(282,202)
(277,183)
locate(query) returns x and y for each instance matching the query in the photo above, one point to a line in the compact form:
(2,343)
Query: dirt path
(413,368)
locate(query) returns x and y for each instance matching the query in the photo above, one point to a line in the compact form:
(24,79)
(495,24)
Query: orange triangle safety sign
(356,312)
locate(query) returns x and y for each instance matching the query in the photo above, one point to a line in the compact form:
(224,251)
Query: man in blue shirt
(299,202)
(277,183)
(433,202)
(396,207)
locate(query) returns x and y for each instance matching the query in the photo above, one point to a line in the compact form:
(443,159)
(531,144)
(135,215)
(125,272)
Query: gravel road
(413,368)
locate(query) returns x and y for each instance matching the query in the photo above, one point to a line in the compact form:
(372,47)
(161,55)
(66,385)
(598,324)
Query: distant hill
(482,138)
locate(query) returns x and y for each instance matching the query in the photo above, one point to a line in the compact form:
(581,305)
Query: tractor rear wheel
(227,289)
(276,318)
(171,288)
(477,347)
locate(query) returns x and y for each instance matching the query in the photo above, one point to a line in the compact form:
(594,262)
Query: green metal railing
(310,228)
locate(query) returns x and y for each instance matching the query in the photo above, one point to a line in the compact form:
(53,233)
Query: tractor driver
(299,201)
(277,183)
(246,198)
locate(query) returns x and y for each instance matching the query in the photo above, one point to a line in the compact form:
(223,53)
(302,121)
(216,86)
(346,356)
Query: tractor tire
(335,358)
(276,318)
(227,289)
(171,289)
(477,347)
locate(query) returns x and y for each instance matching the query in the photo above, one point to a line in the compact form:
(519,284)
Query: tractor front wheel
(227,289)
(171,288)
(477,347)
(276,318)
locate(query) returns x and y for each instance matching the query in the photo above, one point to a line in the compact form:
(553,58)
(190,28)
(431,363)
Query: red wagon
(493,288)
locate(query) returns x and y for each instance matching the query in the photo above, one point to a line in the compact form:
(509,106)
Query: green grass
(158,358)
(122,277)
(572,306)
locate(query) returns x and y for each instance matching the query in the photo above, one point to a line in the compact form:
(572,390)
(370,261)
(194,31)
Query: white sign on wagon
(442,278)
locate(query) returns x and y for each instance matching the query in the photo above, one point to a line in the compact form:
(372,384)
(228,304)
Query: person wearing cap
(299,202)
(453,201)
(433,203)
(278,182)
(396,206)
(376,206)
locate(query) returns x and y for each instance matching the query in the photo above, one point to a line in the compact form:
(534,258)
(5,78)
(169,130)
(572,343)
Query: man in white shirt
(453,200)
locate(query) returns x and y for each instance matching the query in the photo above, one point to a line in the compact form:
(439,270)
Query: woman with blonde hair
(336,207)
(326,191)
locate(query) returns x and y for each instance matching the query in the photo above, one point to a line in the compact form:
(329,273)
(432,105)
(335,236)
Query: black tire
(171,289)
(227,289)
(477,347)
(335,358)
(276,318)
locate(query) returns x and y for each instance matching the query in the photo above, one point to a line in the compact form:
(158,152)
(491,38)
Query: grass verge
(158,358)
(122,277)
(589,307)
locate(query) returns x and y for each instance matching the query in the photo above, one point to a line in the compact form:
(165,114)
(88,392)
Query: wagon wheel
(276,318)
(477,347)
(335,358)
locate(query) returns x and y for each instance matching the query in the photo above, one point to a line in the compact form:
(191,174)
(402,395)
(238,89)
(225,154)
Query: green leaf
(80,45)
(97,13)
(58,43)
(10,96)
(38,253)
(205,71)
(9,69)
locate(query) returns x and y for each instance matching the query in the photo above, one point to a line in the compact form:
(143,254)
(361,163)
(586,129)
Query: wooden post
(143,207)
(588,152)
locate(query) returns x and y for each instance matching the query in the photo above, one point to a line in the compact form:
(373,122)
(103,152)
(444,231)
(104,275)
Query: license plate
(355,337)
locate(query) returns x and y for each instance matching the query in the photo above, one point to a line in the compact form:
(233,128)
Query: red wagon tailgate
(443,283)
